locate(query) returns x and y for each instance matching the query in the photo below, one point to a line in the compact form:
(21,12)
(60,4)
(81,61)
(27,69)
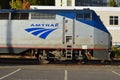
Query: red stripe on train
(34,47)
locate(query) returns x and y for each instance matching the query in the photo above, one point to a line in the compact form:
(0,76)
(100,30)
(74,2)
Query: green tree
(113,3)
(16,4)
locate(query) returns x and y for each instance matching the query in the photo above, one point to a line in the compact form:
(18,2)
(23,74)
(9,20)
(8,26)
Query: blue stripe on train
(95,22)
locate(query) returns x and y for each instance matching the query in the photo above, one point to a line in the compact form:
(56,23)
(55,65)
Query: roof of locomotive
(45,8)
(76,8)
(39,10)
(69,8)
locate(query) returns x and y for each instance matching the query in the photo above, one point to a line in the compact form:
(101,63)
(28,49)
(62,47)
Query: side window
(116,20)
(113,20)
(4,16)
(80,16)
(15,16)
(19,16)
(24,16)
(35,15)
(87,16)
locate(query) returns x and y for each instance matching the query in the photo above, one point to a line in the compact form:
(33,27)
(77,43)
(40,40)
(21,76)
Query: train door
(68,31)
(68,36)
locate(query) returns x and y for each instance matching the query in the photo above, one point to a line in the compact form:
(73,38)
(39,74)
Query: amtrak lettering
(42,30)
(44,25)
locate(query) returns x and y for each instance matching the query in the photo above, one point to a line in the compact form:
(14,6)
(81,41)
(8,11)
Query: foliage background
(5,4)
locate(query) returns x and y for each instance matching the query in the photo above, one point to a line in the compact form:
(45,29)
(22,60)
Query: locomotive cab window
(87,16)
(79,16)
(84,16)
(4,16)
(19,16)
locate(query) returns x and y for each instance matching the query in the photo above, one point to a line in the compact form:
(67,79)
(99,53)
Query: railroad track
(29,61)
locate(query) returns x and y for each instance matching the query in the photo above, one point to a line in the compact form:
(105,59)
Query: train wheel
(42,59)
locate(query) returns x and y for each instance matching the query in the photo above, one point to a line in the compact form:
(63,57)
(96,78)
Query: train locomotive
(54,33)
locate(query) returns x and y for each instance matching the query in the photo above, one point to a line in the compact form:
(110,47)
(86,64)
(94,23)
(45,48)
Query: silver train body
(62,34)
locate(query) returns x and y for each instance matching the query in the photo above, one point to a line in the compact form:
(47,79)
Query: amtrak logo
(42,30)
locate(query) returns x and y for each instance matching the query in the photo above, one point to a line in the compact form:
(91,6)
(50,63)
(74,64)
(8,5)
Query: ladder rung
(69,54)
